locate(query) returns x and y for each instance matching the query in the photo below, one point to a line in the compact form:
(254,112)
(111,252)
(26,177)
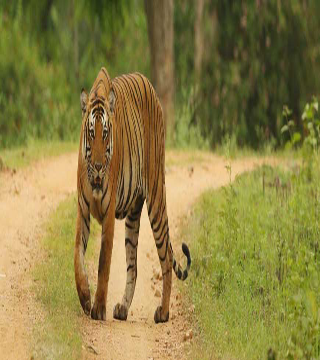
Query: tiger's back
(140,131)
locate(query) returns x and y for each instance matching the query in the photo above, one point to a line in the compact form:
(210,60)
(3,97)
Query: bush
(50,50)
(255,280)
(258,55)
(34,98)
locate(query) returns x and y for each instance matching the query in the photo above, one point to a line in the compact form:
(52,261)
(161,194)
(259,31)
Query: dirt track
(26,199)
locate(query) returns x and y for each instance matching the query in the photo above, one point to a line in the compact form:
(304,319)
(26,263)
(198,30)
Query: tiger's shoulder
(137,88)
(133,76)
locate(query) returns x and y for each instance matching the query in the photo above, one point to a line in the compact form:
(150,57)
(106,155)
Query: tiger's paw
(98,311)
(85,300)
(159,316)
(120,312)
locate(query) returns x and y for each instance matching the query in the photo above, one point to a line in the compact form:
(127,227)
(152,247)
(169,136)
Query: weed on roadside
(35,150)
(58,334)
(255,279)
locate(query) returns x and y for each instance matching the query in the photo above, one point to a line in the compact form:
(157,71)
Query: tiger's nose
(98,166)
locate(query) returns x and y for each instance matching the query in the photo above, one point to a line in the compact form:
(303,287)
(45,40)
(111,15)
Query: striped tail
(182,275)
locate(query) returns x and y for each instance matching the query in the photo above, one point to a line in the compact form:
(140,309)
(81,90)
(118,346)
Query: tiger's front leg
(98,311)
(82,236)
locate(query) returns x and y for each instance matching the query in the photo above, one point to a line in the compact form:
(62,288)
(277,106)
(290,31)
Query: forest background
(230,74)
(222,69)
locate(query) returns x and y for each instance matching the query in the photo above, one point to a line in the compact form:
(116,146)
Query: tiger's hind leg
(132,225)
(157,210)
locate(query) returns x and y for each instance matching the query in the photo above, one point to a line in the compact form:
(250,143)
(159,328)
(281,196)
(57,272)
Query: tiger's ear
(112,100)
(83,101)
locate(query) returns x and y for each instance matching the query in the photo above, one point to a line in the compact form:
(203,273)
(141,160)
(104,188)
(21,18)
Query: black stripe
(84,242)
(128,241)
(86,221)
(156,218)
(137,211)
(129,226)
(104,194)
(159,245)
(165,235)
(84,198)
(105,73)
(87,225)
(130,267)
(163,227)
(131,218)
(165,254)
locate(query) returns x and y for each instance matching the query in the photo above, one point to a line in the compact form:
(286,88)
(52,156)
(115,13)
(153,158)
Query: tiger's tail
(182,274)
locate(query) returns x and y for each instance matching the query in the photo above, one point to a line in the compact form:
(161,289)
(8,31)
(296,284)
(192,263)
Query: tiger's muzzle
(97,181)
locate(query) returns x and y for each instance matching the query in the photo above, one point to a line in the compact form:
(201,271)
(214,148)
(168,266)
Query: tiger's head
(97,141)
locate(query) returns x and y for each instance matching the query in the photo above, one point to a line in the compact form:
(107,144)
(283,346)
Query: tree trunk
(75,41)
(198,39)
(45,15)
(160,32)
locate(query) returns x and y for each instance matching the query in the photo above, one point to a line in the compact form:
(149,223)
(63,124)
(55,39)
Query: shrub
(34,98)
(258,55)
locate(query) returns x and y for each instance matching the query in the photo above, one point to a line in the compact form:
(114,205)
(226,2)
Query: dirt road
(27,197)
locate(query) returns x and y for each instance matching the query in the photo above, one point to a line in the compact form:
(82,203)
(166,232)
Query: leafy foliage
(31,101)
(54,48)
(295,137)
(258,55)
(188,134)
(311,127)
(311,124)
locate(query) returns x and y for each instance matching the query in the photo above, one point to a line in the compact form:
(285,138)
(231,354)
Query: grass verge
(256,266)
(178,157)
(20,157)
(58,335)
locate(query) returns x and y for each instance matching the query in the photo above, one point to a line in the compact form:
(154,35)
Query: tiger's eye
(91,133)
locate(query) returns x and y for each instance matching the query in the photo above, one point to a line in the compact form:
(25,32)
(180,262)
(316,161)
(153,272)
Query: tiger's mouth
(96,185)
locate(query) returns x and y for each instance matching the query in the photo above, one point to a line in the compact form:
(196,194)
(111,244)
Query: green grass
(178,157)
(58,334)
(229,148)
(256,265)
(20,157)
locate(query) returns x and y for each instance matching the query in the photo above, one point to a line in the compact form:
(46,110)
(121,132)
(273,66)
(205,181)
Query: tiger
(121,165)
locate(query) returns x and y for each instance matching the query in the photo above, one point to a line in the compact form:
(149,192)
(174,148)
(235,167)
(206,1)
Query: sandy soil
(27,197)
